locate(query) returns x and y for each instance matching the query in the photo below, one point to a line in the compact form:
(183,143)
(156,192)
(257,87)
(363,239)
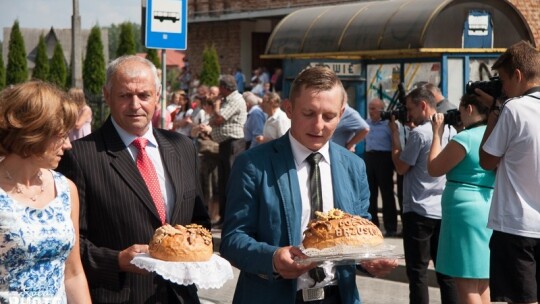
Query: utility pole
(76,47)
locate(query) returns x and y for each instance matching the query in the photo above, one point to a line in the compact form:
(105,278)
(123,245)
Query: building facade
(240,29)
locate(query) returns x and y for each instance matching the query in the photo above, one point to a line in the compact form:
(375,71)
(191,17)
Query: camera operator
(421,216)
(443,104)
(511,144)
(464,237)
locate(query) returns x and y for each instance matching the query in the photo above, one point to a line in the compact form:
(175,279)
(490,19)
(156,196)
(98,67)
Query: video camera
(493,86)
(397,106)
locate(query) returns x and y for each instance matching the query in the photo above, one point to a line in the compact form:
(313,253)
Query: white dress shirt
(300,154)
(152,149)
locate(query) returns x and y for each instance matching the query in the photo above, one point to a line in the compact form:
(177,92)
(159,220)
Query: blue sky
(57,13)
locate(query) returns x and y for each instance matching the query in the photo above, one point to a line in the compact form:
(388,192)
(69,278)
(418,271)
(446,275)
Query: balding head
(375,106)
(433,89)
(251,99)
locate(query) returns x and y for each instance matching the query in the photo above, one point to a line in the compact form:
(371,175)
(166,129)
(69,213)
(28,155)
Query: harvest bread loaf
(192,243)
(336,227)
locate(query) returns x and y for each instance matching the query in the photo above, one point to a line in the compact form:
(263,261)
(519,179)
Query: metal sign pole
(163,87)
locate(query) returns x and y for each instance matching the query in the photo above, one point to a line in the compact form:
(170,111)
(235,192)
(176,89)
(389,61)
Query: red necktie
(150,177)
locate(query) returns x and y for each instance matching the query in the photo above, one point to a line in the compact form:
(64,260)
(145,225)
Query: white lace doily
(348,254)
(211,274)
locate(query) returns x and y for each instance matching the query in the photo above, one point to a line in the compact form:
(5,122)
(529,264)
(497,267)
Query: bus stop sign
(166,24)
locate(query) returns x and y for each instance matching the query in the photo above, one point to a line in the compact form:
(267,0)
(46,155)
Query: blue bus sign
(166,24)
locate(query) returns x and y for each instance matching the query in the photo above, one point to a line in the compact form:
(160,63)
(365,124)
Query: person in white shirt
(277,123)
(510,144)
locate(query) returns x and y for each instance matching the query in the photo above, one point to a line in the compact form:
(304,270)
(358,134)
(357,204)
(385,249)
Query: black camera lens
(452,117)
(492,87)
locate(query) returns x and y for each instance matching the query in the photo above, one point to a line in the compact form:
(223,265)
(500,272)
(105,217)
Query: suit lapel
(126,169)
(171,163)
(287,181)
(339,171)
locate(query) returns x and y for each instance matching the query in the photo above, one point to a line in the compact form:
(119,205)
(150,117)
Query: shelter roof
(377,29)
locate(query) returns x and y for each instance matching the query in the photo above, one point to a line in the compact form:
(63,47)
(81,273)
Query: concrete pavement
(392,289)
(372,291)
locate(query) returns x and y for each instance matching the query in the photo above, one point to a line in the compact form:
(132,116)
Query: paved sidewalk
(398,275)
(372,291)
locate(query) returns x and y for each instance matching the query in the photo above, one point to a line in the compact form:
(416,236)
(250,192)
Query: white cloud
(57,13)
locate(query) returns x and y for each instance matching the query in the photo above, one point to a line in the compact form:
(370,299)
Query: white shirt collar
(128,138)
(300,152)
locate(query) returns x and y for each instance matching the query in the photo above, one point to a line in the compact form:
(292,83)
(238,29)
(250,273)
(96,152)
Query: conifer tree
(2,71)
(210,67)
(152,55)
(58,70)
(94,63)
(41,68)
(126,45)
(17,68)
(68,77)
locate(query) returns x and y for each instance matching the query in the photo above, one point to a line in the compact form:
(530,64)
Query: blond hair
(320,78)
(77,96)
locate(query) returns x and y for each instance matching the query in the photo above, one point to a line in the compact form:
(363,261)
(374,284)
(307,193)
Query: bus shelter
(376,45)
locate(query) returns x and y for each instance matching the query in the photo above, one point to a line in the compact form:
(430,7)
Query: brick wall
(531,12)
(224,35)
(218,7)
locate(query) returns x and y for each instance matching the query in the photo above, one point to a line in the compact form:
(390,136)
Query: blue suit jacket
(264,213)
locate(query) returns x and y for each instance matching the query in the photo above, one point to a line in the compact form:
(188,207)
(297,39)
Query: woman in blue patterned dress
(39,208)
(463,251)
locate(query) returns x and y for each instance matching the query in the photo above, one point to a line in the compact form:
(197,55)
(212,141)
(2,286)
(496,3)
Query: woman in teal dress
(463,251)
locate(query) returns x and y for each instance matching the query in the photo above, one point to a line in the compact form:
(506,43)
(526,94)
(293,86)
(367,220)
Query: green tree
(2,71)
(210,67)
(94,76)
(126,44)
(58,71)
(152,55)
(68,77)
(139,44)
(94,63)
(114,37)
(17,68)
(41,69)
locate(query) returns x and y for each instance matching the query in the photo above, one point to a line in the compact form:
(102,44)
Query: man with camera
(511,145)
(421,196)
(443,104)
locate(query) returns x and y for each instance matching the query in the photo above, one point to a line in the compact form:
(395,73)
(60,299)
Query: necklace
(34,195)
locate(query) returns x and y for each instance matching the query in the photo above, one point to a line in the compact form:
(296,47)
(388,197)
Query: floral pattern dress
(34,245)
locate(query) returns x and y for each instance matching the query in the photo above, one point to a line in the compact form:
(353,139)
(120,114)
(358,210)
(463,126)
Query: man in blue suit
(270,201)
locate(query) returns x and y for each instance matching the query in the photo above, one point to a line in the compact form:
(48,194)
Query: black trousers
(228,150)
(380,174)
(420,241)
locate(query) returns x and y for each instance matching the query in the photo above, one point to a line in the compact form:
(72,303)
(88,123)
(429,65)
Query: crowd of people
(77,206)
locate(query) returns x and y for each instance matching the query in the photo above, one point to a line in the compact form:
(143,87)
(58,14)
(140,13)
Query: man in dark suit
(120,209)
(270,205)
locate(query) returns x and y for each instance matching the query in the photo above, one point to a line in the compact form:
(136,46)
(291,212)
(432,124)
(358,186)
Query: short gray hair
(251,98)
(228,82)
(113,66)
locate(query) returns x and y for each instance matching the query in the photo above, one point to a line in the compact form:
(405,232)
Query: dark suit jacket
(117,211)
(265,213)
